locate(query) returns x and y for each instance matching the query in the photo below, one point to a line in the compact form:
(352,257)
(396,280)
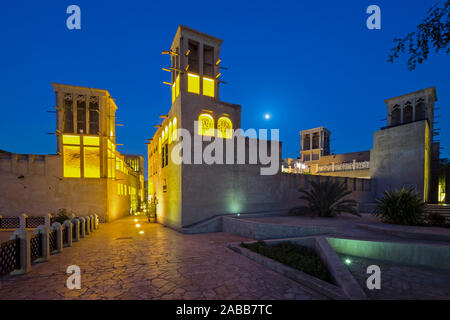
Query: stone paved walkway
(401,281)
(119,263)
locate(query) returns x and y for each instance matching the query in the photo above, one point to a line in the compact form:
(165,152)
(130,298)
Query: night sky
(307,63)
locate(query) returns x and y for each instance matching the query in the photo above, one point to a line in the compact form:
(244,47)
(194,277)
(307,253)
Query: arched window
(205,125)
(407,113)
(395,116)
(166,133)
(224,128)
(170,132)
(174,129)
(420,111)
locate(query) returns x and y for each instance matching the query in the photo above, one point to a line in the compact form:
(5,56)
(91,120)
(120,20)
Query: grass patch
(293,255)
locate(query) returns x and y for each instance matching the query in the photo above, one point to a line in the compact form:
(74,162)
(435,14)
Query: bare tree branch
(434,31)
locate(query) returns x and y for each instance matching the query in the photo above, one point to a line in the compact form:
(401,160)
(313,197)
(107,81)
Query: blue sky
(308,63)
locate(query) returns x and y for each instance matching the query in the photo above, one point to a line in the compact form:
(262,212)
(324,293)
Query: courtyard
(119,263)
(123,261)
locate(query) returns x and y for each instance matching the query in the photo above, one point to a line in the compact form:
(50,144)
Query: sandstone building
(87,175)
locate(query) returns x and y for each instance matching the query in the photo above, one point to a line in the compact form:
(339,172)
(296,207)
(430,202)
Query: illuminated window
(205,125)
(72,161)
(91,162)
(170,132)
(68,139)
(72,156)
(208,87)
(173,91)
(91,141)
(174,129)
(193,83)
(111,160)
(159,145)
(224,128)
(166,132)
(118,189)
(177,86)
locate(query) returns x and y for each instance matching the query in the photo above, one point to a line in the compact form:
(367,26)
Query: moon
(267,116)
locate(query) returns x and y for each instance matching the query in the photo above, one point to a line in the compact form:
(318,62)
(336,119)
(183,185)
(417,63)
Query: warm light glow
(224,128)
(135,220)
(91,162)
(69,139)
(91,140)
(193,83)
(174,129)
(138,225)
(208,87)
(141,232)
(177,86)
(170,135)
(205,125)
(173,92)
(166,133)
(159,145)
(72,162)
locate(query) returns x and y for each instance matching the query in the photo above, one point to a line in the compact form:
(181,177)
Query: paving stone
(159,264)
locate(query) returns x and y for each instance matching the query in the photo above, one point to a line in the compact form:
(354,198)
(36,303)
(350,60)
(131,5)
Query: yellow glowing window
(166,132)
(163,136)
(118,188)
(159,145)
(68,139)
(177,86)
(173,91)
(205,125)
(91,162)
(224,128)
(174,129)
(193,83)
(91,141)
(72,162)
(170,132)
(208,87)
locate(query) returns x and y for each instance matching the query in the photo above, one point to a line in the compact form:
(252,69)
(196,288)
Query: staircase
(442,209)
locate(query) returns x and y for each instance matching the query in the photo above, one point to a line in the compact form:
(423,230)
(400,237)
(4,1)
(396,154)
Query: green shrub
(293,255)
(400,207)
(326,199)
(62,216)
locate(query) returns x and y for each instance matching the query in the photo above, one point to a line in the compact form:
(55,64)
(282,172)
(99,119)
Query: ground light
(348,261)
(138,225)
(141,232)
(135,220)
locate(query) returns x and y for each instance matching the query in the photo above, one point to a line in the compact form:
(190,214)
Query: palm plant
(326,199)
(400,207)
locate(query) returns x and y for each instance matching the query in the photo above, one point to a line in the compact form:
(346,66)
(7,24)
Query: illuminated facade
(87,175)
(185,193)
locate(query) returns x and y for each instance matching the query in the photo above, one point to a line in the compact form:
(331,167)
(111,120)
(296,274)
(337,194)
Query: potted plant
(151,212)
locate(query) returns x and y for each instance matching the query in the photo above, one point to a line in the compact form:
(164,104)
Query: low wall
(262,231)
(412,254)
